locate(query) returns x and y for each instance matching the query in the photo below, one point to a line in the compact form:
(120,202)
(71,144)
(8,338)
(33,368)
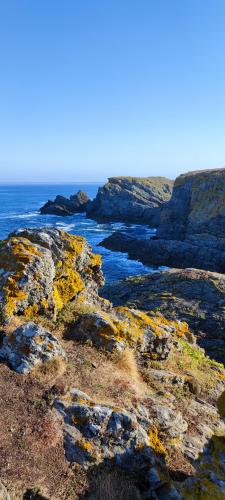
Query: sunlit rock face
(132,199)
(43,269)
(28,346)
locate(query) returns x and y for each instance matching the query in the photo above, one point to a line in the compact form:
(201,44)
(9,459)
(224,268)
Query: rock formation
(66,206)
(44,269)
(152,338)
(191,230)
(131,199)
(144,402)
(191,295)
(28,346)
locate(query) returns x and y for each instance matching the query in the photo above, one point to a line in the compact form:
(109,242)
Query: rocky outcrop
(28,346)
(131,199)
(196,211)
(66,206)
(96,433)
(191,230)
(152,338)
(209,480)
(171,253)
(191,295)
(44,269)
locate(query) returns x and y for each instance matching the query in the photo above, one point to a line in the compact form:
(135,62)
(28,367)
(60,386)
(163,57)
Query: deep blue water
(19,208)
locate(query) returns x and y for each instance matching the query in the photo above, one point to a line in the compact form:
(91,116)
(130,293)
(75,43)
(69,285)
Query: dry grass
(127,363)
(49,371)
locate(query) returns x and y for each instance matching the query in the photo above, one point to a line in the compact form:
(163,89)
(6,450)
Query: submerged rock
(43,269)
(28,346)
(191,295)
(132,199)
(66,206)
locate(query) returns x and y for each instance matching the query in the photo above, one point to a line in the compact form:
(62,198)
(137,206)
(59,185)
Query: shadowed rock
(66,206)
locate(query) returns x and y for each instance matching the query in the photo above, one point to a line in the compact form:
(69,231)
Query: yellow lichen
(84,445)
(155,442)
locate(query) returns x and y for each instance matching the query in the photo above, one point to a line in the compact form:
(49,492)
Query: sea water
(19,208)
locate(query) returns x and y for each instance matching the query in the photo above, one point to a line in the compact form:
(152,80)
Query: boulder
(132,199)
(66,206)
(152,338)
(44,269)
(28,346)
(191,295)
(95,433)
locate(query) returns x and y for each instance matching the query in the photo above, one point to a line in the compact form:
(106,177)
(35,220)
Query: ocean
(19,208)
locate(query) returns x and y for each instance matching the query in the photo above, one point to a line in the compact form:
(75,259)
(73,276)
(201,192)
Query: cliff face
(196,211)
(191,231)
(131,199)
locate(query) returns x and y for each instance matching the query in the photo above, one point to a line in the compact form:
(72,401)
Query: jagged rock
(29,346)
(191,295)
(4,495)
(131,199)
(43,269)
(66,206)
(94,433)
(209,481)
(153,338)
(171,253)
(196,210)
(170,422)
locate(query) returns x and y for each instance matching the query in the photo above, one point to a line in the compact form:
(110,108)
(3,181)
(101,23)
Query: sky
(95,88)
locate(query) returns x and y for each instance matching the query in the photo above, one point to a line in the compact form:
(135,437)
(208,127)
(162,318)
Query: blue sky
(93,88)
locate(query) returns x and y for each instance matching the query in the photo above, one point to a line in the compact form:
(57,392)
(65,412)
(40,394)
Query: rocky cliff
(191,231)
(66,206)
(196,211)
(131,199)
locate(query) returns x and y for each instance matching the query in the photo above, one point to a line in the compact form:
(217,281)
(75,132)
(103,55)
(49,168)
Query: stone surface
(153,338)
(209,480)
(196,211)
(96,433)
(131,199)
(66,206)
(191,295)
(29,346)
(44,269)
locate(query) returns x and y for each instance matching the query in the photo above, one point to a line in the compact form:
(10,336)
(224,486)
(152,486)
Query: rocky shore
(191,229)
(106,394)
(66,206)
(129,199)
